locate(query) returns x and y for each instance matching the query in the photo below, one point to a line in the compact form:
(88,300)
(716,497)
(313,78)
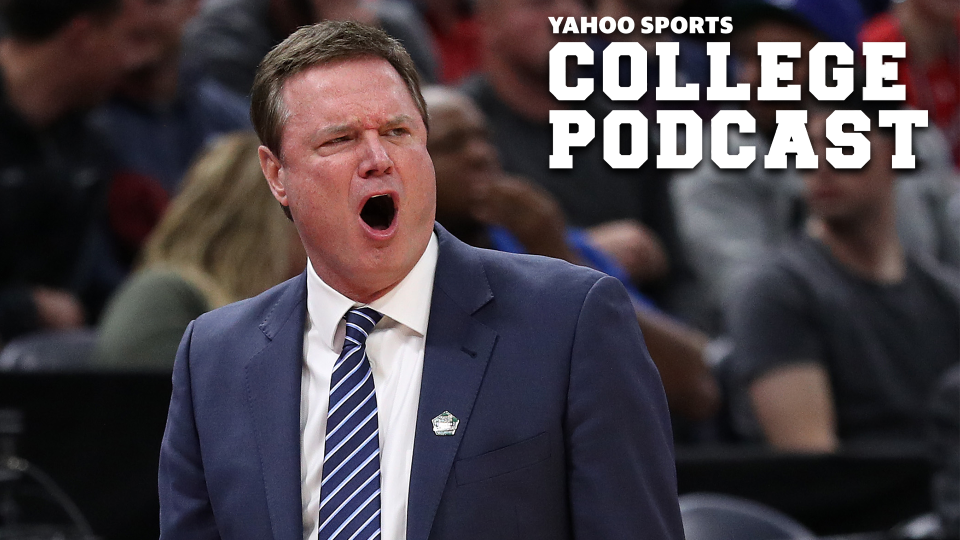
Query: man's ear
(273,172)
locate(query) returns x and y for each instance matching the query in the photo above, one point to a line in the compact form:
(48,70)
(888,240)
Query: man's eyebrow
(348,126)
(399,119)
(335,129)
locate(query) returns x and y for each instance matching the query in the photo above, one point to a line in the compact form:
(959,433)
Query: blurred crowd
(809,309)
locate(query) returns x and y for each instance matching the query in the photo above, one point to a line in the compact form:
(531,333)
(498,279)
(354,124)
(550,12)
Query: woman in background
(222,239)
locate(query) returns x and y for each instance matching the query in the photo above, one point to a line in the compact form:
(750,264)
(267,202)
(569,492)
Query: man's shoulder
(526,297)
(249,317)
(945,277)
(535,277)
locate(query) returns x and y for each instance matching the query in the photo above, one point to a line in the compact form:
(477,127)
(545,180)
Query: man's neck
(929,37)
(33,82)
(525,93)
(868,247)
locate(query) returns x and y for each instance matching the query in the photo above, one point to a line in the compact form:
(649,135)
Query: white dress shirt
(395,349)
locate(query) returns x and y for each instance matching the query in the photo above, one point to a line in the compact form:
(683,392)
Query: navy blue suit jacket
(564,431)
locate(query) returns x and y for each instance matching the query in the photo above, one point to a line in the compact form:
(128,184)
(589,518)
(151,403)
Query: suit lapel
(273,395)
(455,359)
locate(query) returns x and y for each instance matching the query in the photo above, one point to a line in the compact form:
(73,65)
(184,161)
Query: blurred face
(518,31)
(355,172)
(463,156)
(164,21)
(161,35)
(848,195)
(748,67)
(110,48)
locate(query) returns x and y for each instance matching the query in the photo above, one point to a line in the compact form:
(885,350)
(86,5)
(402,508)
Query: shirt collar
(408,303)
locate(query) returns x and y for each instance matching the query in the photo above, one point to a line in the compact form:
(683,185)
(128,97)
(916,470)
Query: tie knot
(360,322)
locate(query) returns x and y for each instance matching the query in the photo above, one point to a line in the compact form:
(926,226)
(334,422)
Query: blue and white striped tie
(350,489)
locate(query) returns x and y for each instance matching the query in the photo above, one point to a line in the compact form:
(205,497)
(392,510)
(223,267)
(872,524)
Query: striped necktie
(350,488)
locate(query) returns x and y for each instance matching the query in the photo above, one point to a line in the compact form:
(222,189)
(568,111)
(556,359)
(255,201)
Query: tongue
(378,212)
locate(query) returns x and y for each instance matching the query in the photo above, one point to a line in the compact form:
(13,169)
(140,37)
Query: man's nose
(374,160)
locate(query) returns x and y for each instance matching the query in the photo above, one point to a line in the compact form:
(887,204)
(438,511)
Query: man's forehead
(324,109)
(331,71)
(362,79)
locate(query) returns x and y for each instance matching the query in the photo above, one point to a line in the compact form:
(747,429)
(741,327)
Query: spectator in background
(931,70)
(222,240)
(456,38)
(230,37)
(729,218)
(159,120)
(692,63)
(842,337)
(485,207)
(628,213)
(165,112)
(58,58)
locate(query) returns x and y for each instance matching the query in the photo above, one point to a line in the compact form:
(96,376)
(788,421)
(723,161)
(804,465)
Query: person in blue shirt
(161,117)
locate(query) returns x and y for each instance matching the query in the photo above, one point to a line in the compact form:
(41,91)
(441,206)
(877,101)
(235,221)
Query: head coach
(406,386)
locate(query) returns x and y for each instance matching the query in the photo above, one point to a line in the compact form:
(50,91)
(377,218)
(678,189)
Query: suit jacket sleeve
(185,509)
(621,465)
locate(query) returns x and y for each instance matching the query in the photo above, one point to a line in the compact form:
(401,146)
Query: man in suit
(407,386)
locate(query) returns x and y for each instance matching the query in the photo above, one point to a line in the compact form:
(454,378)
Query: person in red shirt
(456,38)
(931,71)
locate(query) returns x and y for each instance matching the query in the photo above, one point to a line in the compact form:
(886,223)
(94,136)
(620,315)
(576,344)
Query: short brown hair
(322,43)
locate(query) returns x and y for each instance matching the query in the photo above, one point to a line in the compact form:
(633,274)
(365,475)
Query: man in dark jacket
(57,59)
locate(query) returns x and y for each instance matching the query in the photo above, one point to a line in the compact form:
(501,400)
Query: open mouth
(378,212)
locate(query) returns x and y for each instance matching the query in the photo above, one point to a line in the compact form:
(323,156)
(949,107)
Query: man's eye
(398,131)
(338,140)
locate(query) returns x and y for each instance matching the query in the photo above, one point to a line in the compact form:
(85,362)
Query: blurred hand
(58,310)
(527,211)
(634,246)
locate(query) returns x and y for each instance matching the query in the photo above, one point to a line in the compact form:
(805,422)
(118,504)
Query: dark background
(98,435)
